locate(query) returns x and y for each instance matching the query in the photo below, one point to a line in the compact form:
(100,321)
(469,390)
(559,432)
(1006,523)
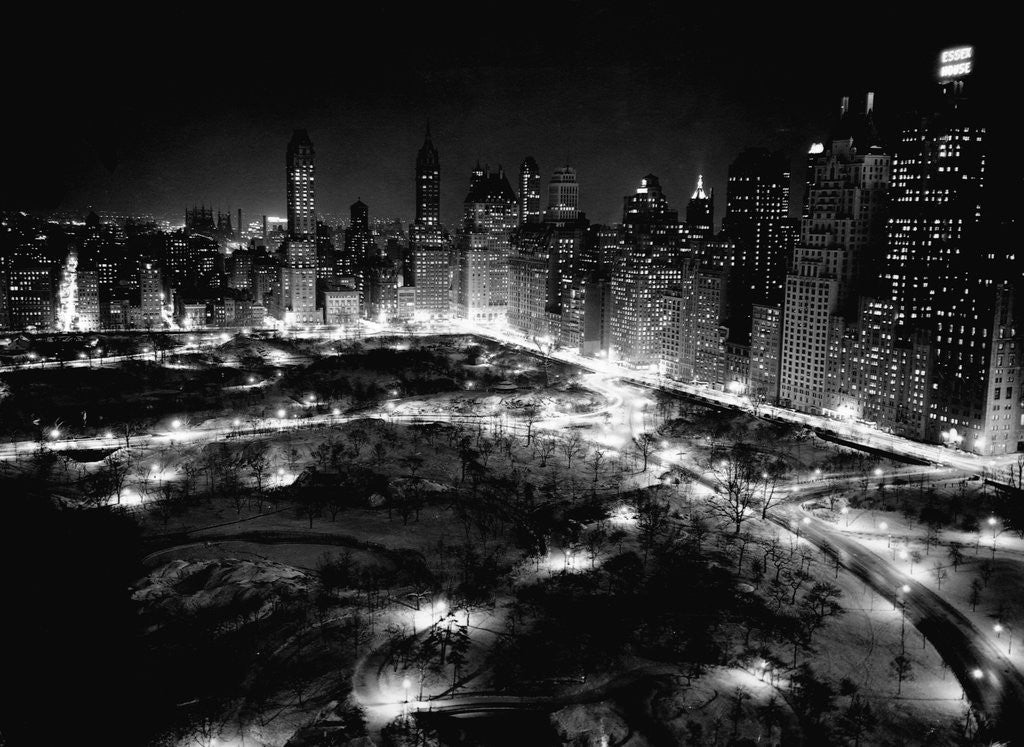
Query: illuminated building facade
(765,352)
(529,191)
(430,262)
(756,219)
(31,295)
(650,265)
(874,377)
(840,234)
(941,270)
(491,215)
(152,297)
(700,212)
(360,252)
(532,279)
(428,184)
(812,297)
(563,195)
(297,299)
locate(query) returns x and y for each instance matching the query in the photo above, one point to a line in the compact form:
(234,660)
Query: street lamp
(55,433)
(406,684)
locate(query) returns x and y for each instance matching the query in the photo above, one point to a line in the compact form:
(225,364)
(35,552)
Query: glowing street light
(176,424)
(406,684)
(55,433)
(977,674)
(281,413)
(878,472)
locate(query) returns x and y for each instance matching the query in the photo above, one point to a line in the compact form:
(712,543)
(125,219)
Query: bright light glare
(905,589)
(281,413)
(55,433)
(176,423)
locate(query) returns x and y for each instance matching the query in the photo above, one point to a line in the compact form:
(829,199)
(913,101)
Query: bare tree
(572,446)
(772,472)
(596,457)
(255,457)
(736,481)
(903,669)
(547,447)
(644,446)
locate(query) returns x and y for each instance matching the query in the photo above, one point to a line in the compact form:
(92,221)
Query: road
(988,678)
(851,430)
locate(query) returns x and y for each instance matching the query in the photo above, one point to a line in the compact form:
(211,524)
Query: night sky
(199,108)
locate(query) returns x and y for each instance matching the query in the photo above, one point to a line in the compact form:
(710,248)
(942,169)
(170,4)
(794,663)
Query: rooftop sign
(956,62)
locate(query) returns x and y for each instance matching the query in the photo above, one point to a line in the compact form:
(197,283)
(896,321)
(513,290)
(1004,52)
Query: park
(445,539)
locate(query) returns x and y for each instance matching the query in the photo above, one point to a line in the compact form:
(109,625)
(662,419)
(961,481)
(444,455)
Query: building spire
(699,194)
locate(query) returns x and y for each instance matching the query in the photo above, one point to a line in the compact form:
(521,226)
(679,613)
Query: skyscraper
(943,272)
(563,195)
(490,216)
(649,266)
(430,265)
(529,191)
(756,213)
(700,212)
(428,184)
(297,300)
(841,233)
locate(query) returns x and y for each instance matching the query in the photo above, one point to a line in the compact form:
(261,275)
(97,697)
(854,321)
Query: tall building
(563,195)
(297,300)
(490,217)
(151,297)
(650,265)
(841,234)
(430,263)
(700,212)
(32,300)
(529,191)
(428,184)
(765,353)
(756,216)
(942,270)
(360,249)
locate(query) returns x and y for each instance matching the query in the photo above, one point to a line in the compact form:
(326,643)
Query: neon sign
(956,62)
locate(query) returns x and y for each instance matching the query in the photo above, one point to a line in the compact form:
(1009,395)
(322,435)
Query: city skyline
(614,108)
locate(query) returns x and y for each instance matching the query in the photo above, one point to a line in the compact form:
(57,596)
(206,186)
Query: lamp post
(903,618)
